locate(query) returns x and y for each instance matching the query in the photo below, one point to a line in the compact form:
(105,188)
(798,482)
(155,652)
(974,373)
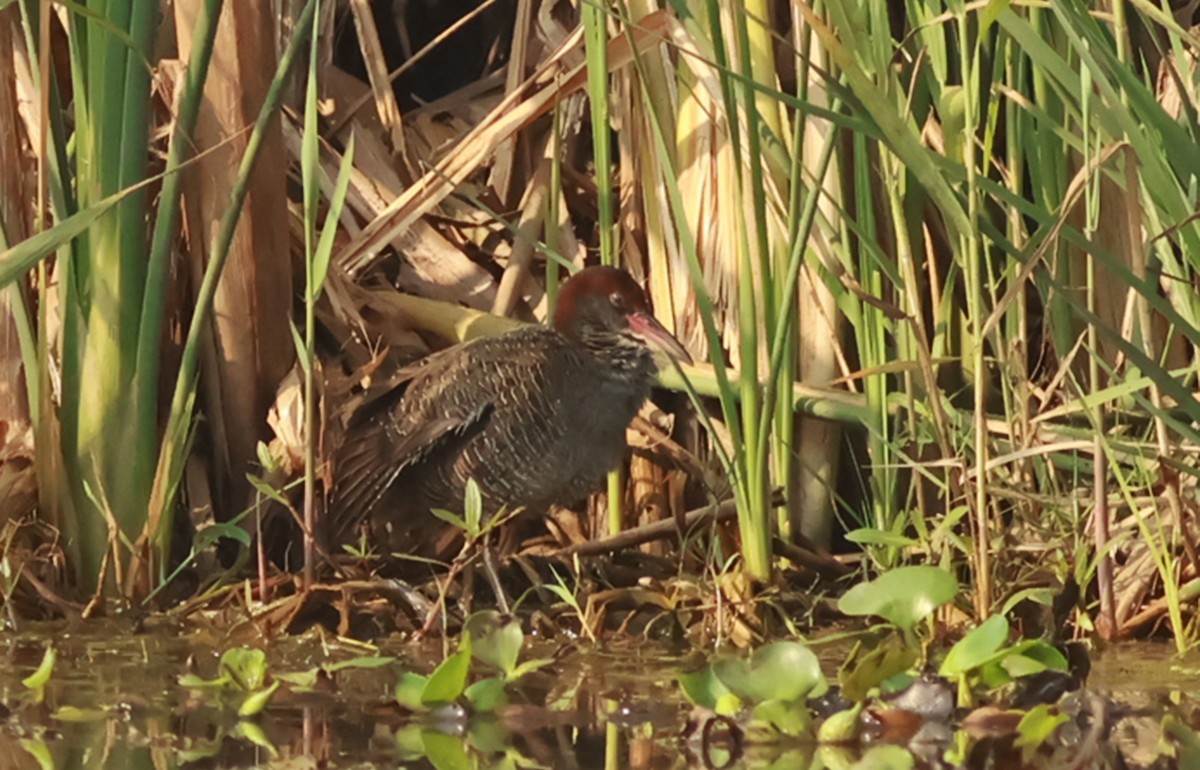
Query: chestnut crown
(606,302)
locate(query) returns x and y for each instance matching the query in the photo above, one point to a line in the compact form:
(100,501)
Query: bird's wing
(423,409)
(375,455)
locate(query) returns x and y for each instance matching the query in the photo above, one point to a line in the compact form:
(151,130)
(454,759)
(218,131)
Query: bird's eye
(617,299)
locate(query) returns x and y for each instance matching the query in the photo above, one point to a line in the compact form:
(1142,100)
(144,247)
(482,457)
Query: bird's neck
(624,356)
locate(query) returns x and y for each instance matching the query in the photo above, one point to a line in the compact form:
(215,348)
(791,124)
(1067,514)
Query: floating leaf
(247,666)
(842,727)
(302,680)
(1036,727)
(785,671)
(903,596)
(448,680)
(487,695)
(790,718)
(445,752)
(886,757)
(409,689)
(976,648)
(495,640)
(195,682)
(703,688)
(863,672)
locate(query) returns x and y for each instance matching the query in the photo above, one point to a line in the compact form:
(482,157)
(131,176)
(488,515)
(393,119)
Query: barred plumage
(537,416)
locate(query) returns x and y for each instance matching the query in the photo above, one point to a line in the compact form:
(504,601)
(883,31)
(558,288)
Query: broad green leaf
(703,687)
(300,680)
(842,727)
(487,695)
(865,671)
(785,671)
(448,680)
(445,752)
(1036,727)
(976,648)
(409,689)
(247,666)
(790,717)
(886,757)
(903,596)
(495,639)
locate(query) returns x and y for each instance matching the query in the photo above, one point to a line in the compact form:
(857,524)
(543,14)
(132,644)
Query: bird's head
(605,304)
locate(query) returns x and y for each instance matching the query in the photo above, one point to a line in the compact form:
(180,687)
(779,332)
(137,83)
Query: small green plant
(984,657)
(775,682)
(241,681)
(37,681)
(489,638)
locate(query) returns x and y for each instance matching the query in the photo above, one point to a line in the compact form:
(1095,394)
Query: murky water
(114,702)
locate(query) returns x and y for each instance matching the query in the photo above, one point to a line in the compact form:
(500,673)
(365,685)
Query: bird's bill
(649,329)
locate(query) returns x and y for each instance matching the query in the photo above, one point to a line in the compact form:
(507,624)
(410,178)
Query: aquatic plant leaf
(976,648)
(247,666)
(866,671)
(785,671)
(790,718)
(409,689)
(256,701)
(528,667)
(1035,728)
(445,752)
(496,640)
(251,732)
(38,749)
(1186,739)
(79,715)
(903,596)
(408,741)
(842,727)
(41,675)
(1033,659)
(1047,654)
(490,737)
(449,679)
(300,680)
(885,757)
(703,687)
(487,695)
(196,682)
